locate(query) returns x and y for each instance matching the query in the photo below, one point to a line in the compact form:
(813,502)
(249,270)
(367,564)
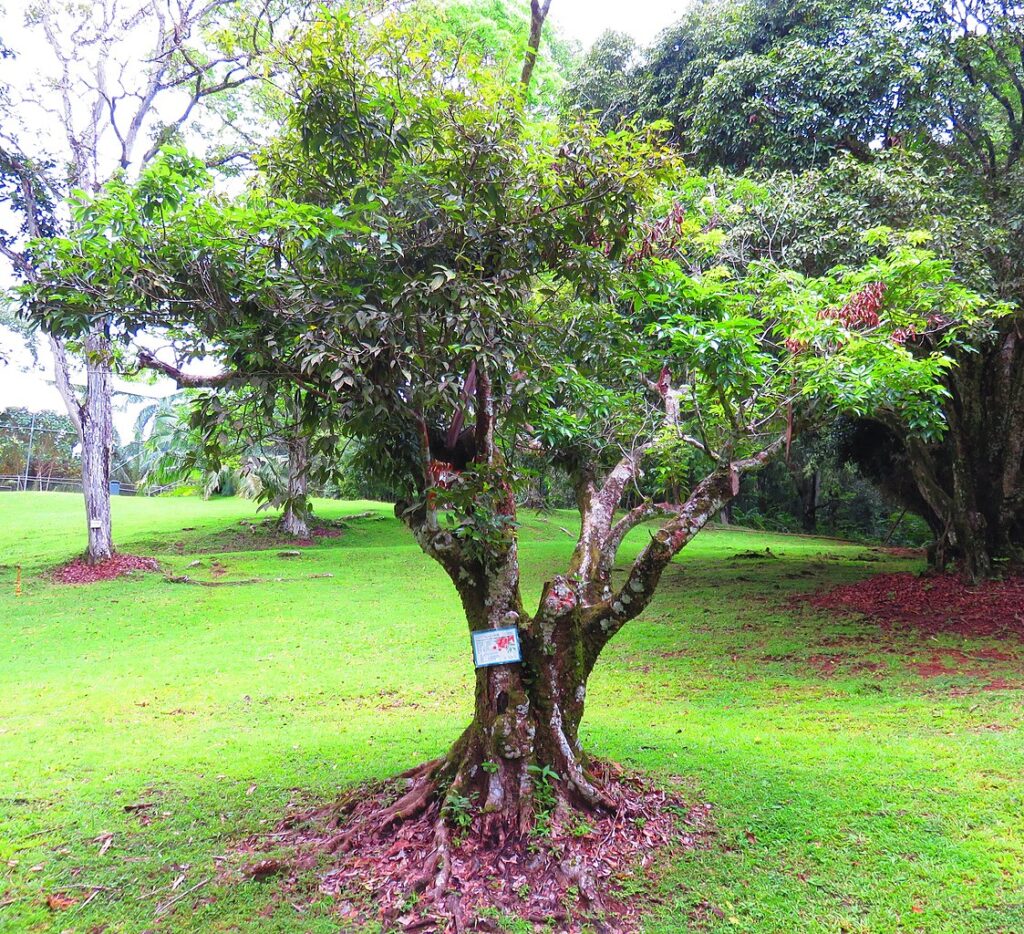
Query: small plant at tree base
(458,809)
(581,828)
(544,797)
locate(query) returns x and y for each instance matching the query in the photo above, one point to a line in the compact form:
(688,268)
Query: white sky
(24,384)
(585,20)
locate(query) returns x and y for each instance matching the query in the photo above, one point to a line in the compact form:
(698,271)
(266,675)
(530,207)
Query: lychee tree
(457,284)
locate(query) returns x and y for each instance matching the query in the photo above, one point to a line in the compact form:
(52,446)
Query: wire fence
(20,483)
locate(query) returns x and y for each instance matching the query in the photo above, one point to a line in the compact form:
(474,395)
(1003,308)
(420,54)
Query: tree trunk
(809,495)
(97,445)
(93,421)
(807,484)
(538,13)
(519,763)
(973,479)
(294,520)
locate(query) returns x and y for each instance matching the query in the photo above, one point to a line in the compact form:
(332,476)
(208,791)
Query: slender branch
(186,380)
(706,499)
(538,13)
(62,379)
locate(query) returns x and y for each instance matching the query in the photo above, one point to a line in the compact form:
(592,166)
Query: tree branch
(185,380)
(538,13)
(706,499)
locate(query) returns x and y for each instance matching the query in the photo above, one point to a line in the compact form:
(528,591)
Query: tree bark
(294,520)
(97,435)
(538,13)
(972,481)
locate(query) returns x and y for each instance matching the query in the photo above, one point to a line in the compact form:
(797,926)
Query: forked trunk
(519,763)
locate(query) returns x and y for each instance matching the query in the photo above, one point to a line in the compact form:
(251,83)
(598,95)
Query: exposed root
(402,863)
(412,804)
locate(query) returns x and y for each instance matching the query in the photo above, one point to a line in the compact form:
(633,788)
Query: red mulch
(81,571)
(570,879)
(933,603)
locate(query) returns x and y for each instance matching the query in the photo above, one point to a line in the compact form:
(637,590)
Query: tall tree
(768,86)
(112,85)
(454,283)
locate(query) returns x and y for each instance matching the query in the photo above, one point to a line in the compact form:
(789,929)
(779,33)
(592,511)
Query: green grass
(865,799)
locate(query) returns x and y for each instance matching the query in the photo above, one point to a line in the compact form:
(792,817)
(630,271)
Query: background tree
(97,106)
(907,93)
(37,447)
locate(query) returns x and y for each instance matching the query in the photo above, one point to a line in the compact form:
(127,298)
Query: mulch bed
(568,881)
(933,603)
(81,571)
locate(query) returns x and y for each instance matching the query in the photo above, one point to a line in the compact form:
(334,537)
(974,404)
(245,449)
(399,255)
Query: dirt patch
(326,533)
(933,603)
(1002,684)
(937,667)
(81,571)
(825,665)
(569,878)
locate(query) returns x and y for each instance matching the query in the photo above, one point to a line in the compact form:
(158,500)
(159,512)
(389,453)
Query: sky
(585,20)
(23,383)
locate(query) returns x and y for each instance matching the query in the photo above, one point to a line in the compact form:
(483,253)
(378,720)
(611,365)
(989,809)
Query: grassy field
(849,792)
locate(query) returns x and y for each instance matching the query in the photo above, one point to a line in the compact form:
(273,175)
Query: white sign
(95,524)
(496,647)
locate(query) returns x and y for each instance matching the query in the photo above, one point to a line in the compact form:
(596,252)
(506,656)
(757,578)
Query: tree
(454,283)
(907,92)
(260,424)
(107,99)
(498,32)
(602,83)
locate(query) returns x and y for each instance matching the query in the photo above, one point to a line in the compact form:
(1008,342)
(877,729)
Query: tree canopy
(455,284)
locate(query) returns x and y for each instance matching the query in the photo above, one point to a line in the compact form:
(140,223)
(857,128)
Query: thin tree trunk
(538,13)
(97,445)
(93,421)
(296,510)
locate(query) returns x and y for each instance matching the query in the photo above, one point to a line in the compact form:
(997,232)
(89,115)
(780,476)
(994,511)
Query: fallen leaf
(264,869)
(59,902)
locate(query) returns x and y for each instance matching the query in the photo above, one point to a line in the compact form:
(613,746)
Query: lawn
(146,726)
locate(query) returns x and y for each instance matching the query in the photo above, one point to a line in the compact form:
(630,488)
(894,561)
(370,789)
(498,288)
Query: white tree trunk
(296,510)
(93,420)
(97,445)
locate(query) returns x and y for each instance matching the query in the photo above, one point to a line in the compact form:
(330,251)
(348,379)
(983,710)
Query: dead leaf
(105,840)
(59,902)
(264,869)
(250,789)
